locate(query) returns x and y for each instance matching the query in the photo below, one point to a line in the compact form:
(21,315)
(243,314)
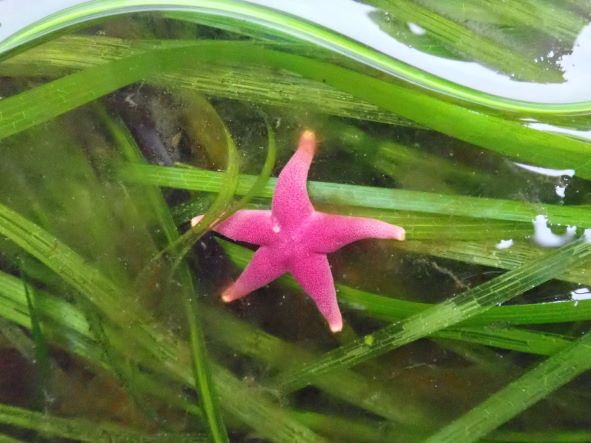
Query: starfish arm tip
(388,231)
(307,142)
(229,295)
(308,135)
(336,326)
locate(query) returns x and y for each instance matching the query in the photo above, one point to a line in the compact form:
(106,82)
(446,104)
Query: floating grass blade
(238,335)
(8,439)
(346,428)
(471,126)
(285,24)
(197,341)
(221,206)
(462,40)
(349,386)
(268,417)
(392,309)
(83,430)
(418,226)
(485,253)
(540,437)
(263,178)
(237,27)
(472,330)
(255,410)
(200,362)
(510,138)
(41,349)
(203,380)
(81,275)
(429,171)
(365,196)
(446,314)
(280,428)
(252,83)
(162,350)
(20,112)
(519,395)
(12,335)
(74,335)
(219,210)
(559,20)
(529,342)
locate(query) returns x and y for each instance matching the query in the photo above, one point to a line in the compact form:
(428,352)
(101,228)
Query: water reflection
(358,21)
(583,134)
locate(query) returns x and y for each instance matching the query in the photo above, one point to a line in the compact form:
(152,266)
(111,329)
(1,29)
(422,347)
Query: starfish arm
(290,202)
(246,225)
(264,267)
(314,276)
(328,233)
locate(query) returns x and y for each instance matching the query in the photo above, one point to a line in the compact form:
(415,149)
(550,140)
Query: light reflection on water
(355,22)
(582,134)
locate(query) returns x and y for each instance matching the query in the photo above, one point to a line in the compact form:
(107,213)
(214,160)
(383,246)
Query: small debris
(416,29)
(560,190)
(546,171)
(543,235)
(130,101)
(504,244)
(580,294)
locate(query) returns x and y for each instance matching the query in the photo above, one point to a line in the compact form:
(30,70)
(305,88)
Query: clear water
(65,176)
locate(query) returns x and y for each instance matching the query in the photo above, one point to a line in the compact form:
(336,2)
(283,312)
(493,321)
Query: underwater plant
(465,122)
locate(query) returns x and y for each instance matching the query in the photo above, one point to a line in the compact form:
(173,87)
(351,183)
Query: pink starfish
(295,238)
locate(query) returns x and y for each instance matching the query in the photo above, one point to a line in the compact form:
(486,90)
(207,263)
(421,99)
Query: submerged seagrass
(115,133)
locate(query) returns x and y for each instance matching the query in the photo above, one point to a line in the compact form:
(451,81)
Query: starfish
(295,238)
